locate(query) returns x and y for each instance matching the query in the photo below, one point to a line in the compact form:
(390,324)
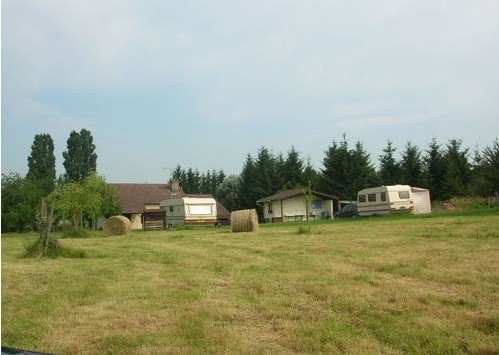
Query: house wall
(136,220)
(295,209)
(271,214)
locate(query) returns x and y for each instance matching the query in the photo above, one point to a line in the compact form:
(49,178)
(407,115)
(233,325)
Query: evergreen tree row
(447,171)
(193,182)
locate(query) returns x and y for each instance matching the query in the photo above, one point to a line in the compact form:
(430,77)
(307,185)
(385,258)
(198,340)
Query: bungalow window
(270,208)
(371,197)
(317,204)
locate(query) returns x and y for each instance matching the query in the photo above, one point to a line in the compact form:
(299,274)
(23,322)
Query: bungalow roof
(284,195)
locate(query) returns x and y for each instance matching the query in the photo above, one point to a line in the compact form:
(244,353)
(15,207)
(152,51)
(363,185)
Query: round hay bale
(117,225)
(244,221)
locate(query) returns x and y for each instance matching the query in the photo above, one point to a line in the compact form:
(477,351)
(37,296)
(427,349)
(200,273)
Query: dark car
(348,211)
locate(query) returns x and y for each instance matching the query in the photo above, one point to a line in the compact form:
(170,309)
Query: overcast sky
(204,83)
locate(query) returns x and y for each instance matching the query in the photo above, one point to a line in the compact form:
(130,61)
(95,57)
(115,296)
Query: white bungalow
(298,205)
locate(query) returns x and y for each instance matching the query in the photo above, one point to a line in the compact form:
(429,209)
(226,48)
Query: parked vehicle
(396,198)
(190,210)
(348,211)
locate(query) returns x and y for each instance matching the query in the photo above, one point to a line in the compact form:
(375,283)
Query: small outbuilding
(298,205)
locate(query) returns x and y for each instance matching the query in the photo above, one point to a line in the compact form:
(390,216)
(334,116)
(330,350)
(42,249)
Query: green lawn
(391,285)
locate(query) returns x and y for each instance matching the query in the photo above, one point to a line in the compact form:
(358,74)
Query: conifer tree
(389,171)
(457,170)
(434,170)
(411,166)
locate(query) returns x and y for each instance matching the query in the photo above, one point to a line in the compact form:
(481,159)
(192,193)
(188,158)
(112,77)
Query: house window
(362,198)
(270,208)
(371,197)
(383,196)
(317,204)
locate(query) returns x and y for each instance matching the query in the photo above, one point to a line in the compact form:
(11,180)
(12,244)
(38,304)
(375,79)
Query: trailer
(190,210)
(393,199)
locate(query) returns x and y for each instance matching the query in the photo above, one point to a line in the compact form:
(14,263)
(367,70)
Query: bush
(53,250)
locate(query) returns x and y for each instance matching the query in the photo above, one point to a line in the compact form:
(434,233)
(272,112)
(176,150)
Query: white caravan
(396,198)
(190,210)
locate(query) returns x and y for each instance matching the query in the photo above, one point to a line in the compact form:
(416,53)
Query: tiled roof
(284,195)
(133,197)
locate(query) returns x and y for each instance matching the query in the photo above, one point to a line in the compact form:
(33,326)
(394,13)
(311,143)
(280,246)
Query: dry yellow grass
(406,285)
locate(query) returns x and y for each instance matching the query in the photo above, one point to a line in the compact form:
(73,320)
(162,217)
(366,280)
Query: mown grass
(398,285)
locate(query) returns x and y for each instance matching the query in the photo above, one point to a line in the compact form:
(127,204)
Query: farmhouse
(298,205)
(141,203)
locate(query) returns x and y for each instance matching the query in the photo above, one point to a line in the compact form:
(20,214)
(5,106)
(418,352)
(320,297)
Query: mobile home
(396,198)
(190,210)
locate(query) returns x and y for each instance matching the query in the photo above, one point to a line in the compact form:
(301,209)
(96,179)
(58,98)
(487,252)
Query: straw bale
(244,221)
(117,225)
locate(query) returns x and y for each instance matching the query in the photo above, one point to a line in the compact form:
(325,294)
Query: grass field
(389,285)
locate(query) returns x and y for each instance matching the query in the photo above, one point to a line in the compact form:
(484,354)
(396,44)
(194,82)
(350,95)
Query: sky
(205,83)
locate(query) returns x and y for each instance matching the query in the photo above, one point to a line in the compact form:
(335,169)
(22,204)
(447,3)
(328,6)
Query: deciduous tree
(20,202)
(80,158)
(41,163)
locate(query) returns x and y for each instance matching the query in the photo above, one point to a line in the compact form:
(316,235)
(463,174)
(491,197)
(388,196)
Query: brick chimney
(175,185)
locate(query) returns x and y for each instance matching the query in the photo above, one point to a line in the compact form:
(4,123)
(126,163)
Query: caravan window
(362,198)
(403,195)
(371,197)
(383,196)
(200,210)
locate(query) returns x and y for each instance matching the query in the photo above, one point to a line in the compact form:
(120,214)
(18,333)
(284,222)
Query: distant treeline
(447,170)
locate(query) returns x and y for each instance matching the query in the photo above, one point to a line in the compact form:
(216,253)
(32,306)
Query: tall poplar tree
(80,158)
(41,163)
